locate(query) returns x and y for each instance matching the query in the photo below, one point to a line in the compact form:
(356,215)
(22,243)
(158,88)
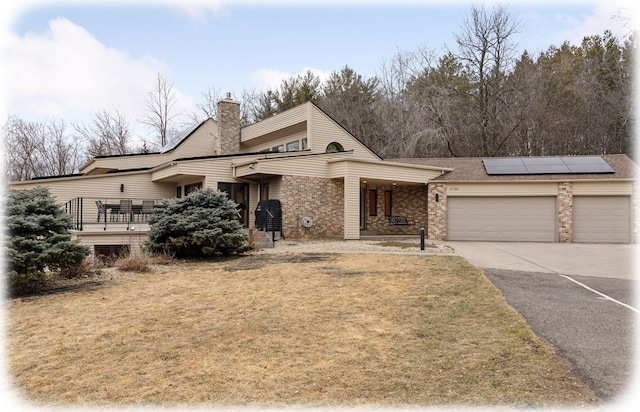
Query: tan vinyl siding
(503,189)
(134,239)
(310,166)
(281,120)
(275,188)
(136,186)
(254,197)
(352,207)
(602,188)
(391,172)
(128,162)
(200,143)
(324,130)
(213,170)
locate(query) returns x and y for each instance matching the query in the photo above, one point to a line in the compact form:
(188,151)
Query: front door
(239,193)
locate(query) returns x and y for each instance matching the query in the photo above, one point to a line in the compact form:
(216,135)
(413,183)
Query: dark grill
(269,215)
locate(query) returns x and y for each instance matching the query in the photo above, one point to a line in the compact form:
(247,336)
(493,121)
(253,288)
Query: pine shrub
(202,224)
(39,240)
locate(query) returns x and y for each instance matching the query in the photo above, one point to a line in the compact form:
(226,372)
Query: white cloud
(266,79)
(199,10)
(614,16)
(67,73)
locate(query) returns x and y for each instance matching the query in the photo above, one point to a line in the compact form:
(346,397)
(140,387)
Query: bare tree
(21,152)
(160,108)
(108,133)
(35,149)
(485,47)
(60,152)
(208,107)
(248,106)
(407,130)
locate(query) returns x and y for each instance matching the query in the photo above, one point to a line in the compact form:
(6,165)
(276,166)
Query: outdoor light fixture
(121,187)
(437,198)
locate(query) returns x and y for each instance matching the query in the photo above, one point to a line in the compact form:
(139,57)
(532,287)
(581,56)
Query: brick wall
(320,199)
(408,201)
(437,215)
(565,212)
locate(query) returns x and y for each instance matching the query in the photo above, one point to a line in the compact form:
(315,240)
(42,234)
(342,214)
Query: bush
(134,262)
(202,224)
(39,240)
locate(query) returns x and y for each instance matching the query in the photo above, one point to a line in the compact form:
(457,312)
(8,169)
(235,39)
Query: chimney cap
(229,96)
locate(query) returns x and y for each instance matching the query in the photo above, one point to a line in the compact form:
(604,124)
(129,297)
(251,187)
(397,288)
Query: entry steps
(262,239)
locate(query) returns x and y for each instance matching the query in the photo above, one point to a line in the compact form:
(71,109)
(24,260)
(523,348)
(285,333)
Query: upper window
(334,147)
(293,146)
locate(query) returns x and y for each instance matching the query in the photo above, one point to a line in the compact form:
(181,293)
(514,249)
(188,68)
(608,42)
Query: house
(329,184)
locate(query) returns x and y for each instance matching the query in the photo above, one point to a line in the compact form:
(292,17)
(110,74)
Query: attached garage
(525,219)
(588,199)
(602,219)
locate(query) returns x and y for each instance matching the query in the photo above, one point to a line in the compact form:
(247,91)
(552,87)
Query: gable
(306,124)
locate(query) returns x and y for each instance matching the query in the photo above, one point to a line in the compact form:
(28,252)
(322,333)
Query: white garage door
(601,219)
(525,219)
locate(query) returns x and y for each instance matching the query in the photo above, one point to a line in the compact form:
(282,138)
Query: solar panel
(546,165)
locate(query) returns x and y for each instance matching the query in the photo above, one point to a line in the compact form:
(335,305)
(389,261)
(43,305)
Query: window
(278,149)
(192,188)
(387,203)
(373,202)
(179,192)
(305,145)
(293,146)
(103,252)
(334,147)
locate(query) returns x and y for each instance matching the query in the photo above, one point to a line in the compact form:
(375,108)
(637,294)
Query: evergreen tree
(293,92)
(39,240)
(350,100)
(204,223)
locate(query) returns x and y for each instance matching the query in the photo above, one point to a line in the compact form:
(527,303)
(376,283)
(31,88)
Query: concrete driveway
(598,260)
(579,297)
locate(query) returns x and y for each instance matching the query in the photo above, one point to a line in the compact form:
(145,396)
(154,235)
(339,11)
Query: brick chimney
(228,126)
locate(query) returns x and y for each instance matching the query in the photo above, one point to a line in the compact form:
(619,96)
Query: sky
(67,60)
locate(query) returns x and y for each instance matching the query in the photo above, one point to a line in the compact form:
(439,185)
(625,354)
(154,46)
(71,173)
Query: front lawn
(286,329)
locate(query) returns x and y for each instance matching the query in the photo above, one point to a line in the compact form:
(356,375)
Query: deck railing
(92,212)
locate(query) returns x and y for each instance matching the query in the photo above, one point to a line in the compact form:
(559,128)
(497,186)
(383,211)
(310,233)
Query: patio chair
(125,209)
(102,210)
(147,208)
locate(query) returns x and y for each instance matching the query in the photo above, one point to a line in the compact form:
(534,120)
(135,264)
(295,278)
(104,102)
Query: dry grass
(287,329)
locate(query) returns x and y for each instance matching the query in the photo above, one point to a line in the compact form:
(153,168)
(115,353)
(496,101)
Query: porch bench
(401,220)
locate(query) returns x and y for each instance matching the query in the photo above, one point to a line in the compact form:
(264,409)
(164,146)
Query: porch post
(351,207)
